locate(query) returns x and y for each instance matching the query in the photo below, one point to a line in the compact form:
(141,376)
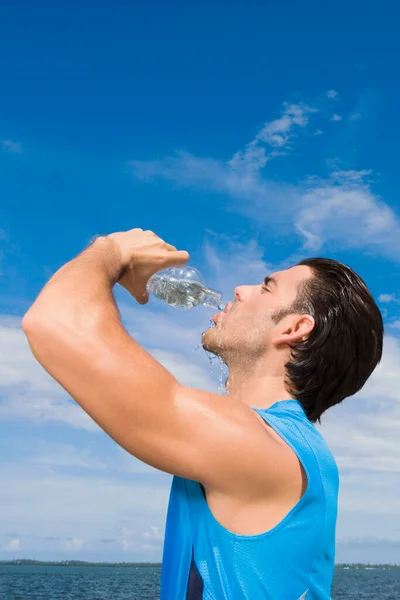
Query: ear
(296,330)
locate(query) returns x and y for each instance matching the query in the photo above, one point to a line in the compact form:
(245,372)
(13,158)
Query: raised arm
(75,332)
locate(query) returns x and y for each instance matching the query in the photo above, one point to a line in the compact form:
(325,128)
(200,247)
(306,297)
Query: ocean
(22,582)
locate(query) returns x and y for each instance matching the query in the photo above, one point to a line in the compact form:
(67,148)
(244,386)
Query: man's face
(246,329)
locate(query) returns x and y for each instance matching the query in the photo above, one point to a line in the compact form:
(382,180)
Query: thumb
(143,298)
(136,288)
(140,293)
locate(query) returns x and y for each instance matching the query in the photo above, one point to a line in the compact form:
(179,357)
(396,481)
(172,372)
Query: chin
(208,341)
(212,342)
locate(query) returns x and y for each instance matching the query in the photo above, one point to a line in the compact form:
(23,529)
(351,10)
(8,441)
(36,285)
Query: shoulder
(227,446)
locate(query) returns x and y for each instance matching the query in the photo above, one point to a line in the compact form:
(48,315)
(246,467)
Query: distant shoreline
(75,563)
(81,563)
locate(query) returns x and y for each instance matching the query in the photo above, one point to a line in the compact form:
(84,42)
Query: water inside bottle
(186,294)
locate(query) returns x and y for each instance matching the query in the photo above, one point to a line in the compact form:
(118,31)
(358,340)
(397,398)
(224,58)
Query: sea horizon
(83,563)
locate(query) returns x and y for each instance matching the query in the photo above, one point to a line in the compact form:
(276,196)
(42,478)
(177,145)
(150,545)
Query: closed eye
(267,280)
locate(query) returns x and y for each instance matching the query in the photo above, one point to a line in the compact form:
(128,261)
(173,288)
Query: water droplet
(221,386)
(211,357)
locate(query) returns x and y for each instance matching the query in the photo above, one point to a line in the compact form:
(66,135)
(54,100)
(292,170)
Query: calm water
(143,583)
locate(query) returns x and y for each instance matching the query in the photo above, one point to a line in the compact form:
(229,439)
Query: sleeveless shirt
(294,560)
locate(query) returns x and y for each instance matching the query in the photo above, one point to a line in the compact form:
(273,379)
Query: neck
(256,388)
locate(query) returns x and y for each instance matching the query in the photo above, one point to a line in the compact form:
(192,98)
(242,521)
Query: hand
(142,254)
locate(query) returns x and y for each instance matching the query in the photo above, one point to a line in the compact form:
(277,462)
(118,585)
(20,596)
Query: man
(253,504)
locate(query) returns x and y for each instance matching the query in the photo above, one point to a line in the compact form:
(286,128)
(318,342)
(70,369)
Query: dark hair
(345,345)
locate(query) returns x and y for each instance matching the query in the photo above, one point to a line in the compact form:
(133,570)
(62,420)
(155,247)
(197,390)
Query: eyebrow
(269,280)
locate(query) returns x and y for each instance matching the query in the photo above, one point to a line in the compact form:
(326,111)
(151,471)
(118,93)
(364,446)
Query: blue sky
(251,136)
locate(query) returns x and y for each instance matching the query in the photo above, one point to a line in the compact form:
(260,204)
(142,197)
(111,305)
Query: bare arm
(75,332)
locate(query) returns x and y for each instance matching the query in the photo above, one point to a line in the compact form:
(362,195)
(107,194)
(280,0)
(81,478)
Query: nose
(240,292)
(243,292)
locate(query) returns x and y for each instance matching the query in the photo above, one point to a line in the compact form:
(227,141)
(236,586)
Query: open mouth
(217,316)
(220,315)
(227,307)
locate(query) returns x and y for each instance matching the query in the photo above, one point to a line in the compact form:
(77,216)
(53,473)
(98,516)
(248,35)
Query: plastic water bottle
(183,287)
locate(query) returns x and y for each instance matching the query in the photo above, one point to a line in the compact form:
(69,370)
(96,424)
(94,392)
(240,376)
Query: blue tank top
(292,561)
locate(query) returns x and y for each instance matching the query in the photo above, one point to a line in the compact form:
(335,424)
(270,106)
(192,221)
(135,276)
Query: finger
(179,257)
(170,247)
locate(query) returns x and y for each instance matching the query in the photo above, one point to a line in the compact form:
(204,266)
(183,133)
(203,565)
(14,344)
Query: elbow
(27,323)
(32,322)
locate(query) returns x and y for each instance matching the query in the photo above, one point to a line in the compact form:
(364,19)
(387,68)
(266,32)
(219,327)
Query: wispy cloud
(13,545)
(72,544)
(240,175)
(338,208)
(12,147)
(51,514)
(343,208)
(275,134)
(31,394)
(388,298)
(332,94)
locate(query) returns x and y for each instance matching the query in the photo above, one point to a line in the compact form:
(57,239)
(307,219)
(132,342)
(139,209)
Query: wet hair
(345,345)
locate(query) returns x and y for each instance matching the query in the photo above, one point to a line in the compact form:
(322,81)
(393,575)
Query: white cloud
(341,208)
(387,298)
(371,418)
(240,176)
(346,210)
(363,433)
(332,94)
(12,147)
(12,546)
(336,118)
(351,176)
(277,133)
(252,195)
(151,540)
(58,514)
(153,534)
(72,545)
(32,395)
(56,454)
(184,370)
